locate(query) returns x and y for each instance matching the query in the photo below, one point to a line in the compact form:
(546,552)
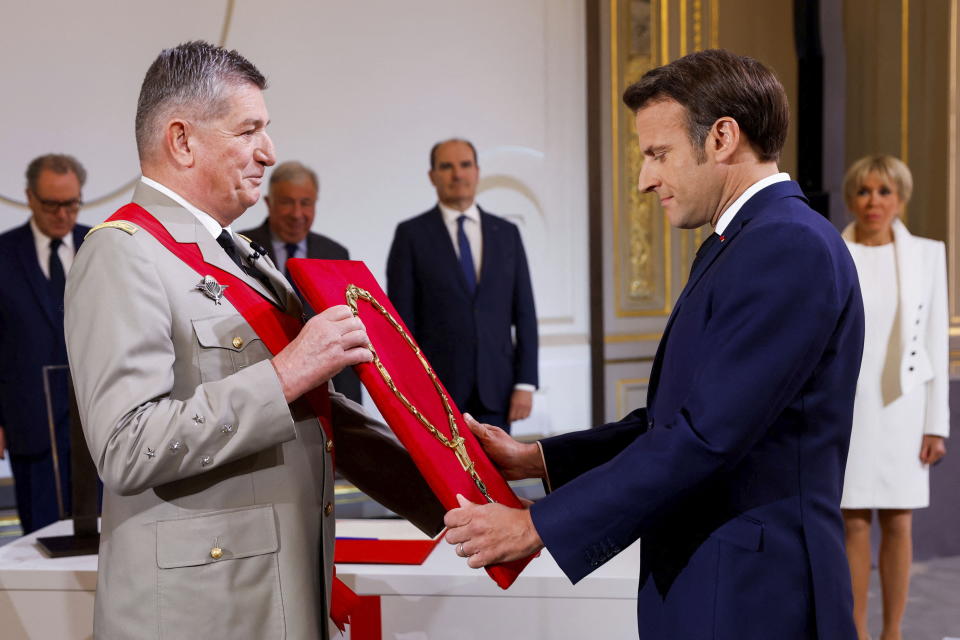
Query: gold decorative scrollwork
(455,442)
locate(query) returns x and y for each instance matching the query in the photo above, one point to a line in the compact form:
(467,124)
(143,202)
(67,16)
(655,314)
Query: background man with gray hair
(34,260)
(218,501)
(286,233)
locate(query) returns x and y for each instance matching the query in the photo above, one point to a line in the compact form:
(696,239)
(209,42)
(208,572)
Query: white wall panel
(358,90)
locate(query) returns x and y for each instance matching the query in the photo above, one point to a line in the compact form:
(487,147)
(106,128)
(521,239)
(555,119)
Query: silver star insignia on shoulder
(212,289)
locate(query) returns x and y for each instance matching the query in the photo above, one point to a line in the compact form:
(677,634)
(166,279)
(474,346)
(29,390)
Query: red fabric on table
(324,283)
(366,622)
(360,551)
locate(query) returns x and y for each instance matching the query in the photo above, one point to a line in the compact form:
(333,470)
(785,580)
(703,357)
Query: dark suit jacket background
(468,341)
(732,475)
(322,248)
(31,337)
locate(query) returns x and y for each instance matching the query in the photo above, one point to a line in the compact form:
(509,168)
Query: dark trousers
(34,486)
(483,414)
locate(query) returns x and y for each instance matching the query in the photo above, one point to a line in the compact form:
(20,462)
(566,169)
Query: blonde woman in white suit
(901,413)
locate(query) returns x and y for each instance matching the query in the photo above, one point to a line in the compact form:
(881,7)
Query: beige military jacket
(217,512)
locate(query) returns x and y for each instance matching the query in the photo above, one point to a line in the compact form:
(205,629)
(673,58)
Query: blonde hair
(890,169)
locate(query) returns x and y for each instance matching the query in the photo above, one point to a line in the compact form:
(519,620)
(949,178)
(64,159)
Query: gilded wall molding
(641,241)
(643,34)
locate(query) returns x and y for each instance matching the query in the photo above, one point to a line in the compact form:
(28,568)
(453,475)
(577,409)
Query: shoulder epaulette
(123,225)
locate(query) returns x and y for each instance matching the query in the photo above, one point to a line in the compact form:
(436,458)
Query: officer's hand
(328,343)
(515,460)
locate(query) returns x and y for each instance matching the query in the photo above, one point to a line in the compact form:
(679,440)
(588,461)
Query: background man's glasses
(52,206)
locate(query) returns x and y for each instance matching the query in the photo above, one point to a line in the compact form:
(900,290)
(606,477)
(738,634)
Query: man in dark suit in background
(34,261)
(286,233)
(731,476)
(459,278)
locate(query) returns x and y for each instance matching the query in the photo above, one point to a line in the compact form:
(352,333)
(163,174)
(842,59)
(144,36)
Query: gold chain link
(455,442)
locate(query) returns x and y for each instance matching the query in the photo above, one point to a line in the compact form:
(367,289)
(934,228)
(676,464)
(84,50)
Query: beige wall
(898,79)
(764,30)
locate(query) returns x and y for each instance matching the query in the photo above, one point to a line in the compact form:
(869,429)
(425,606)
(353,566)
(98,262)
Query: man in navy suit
(286,233)
(458,277)
(731,476)
(34,261)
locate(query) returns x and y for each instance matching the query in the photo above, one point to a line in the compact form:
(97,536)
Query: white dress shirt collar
(450,215)
(205,219)
(727,216)
(41,242)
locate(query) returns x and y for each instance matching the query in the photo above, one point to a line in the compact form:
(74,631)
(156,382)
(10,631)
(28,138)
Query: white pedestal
(442,599)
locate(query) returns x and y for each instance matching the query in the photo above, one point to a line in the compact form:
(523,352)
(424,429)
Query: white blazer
(924,322)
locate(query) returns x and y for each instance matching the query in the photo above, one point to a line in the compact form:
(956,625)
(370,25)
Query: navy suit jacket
(732,475)
(322,248)
(468,339)
(31,337)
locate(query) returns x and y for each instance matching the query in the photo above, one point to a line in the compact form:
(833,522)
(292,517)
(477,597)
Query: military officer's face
(55,202)
(231,153)
(291,208)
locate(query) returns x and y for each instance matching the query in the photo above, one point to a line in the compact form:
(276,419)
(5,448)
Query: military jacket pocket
(219,571)
(226,344)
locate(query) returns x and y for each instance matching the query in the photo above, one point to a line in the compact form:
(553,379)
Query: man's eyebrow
(255,122)
(652,151)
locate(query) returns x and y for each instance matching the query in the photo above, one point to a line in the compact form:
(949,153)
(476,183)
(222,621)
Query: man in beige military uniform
(217,515)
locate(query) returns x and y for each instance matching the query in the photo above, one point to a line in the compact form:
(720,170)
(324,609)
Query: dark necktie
(225,241)
(466,257)
(57,277)
(291,253)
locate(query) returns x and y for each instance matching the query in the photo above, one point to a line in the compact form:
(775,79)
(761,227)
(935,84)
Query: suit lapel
(754,206)
(488,240)
(27,255)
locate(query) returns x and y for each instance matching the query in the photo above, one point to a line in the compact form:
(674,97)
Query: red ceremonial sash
(274,327)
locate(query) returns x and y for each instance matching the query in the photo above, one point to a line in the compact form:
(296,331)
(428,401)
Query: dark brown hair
(433,150)
(715,83)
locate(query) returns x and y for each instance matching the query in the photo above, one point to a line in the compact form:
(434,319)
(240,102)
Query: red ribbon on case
(324,283)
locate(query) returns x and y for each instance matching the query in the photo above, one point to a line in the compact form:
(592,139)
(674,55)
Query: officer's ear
(179,142)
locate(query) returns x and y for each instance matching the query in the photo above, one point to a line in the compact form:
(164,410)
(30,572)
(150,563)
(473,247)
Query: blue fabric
(467,337)
(58,279)
(732,475)
(466,257)
(291,250)
(31,338)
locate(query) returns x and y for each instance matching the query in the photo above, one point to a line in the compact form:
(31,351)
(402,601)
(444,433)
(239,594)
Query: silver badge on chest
(212,289)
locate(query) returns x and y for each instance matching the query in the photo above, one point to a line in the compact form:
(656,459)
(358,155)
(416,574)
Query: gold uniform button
(216,553)
(330,445)
(237,342)
(328,509)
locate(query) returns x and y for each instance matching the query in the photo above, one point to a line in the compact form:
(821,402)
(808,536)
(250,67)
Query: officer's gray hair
(293,171)
(192,79)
